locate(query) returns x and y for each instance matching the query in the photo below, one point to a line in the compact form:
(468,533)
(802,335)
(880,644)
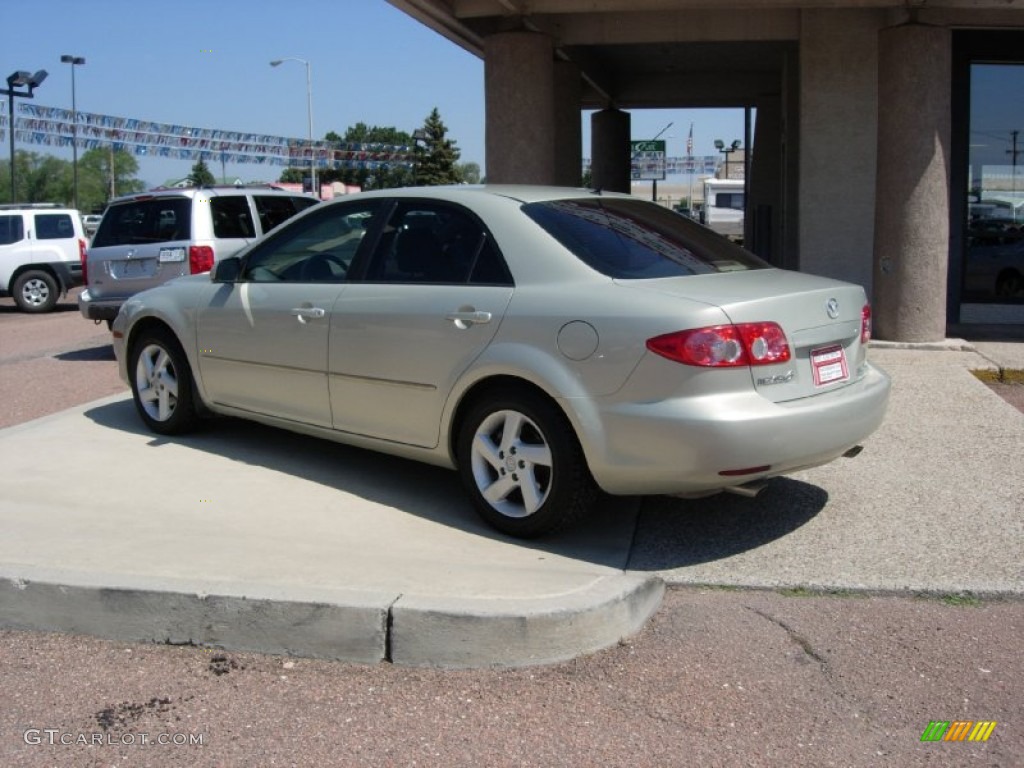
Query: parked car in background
(547,343)
(146,239)
(90,222)
(42,248)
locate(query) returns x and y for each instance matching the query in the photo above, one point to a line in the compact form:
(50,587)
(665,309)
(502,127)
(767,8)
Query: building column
(519,83)
(568,132)
(911,250)
(610,155)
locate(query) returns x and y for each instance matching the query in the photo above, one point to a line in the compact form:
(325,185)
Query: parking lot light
(309,112)
(28,82)
(74,61)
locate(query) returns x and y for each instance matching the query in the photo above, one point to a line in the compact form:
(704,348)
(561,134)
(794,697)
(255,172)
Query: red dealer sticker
(829,365)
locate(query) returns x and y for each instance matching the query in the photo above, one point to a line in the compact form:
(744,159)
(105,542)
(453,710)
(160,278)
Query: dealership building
(882,134)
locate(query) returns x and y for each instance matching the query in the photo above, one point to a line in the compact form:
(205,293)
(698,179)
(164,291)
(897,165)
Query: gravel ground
(718,677)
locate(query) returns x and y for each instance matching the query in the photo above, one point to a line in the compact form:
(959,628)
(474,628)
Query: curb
(340,625)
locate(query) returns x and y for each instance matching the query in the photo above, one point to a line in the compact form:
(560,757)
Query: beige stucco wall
(838,137)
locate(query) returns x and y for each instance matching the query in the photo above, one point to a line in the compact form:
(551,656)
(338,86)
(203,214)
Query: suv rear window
(54,226)
(11,230)
(158,220)
(632,239)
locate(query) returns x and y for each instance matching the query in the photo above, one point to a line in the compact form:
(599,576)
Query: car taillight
(865,324)
(85,263)
(200,259)
(724,346)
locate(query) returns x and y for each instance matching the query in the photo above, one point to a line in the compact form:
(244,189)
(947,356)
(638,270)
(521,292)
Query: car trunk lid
(822,320)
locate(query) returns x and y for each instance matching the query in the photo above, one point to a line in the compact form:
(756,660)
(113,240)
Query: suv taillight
(85,263)
(865,324)
(724,346)
(200,259)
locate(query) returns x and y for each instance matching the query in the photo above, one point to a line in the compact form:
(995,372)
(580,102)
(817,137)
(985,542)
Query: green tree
(37,179)
(469,172)
(377,178)
(201,175)
(94,177)
(436,158)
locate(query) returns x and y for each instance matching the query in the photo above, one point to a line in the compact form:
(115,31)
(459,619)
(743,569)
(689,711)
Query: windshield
(633,239)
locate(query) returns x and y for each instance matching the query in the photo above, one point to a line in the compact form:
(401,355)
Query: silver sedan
(550,344)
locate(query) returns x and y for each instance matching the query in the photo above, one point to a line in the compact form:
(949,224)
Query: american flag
(689,142)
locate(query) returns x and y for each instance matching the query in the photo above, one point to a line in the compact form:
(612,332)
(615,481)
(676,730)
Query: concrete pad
(933,504)
(244,536)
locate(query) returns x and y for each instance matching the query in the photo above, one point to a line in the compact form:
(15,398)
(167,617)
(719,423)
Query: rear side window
(426,242)
(632,239)
(275,209)
(11,230)
(231,217)
(54,226)
(158,220)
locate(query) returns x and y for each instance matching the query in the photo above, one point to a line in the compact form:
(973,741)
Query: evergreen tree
(437,158)
(201,175)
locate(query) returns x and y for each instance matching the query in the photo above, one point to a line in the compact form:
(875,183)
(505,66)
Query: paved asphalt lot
(723,675)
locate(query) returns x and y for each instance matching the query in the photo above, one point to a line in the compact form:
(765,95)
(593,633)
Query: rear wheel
(162,383)
(35,291)
(522,465)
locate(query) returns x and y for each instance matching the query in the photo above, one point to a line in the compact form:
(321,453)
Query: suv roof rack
(22,206)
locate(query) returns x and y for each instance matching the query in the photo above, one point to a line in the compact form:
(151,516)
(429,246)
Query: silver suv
(42,249)
(149,238)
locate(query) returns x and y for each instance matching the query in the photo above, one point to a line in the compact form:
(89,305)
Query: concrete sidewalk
(246,537)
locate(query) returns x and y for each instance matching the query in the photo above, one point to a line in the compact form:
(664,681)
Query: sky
(206,64)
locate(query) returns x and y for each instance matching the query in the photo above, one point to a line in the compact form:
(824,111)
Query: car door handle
(308,313)
(464,319)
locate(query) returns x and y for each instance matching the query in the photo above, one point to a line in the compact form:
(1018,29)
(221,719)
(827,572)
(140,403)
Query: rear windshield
(156,220)
(633,239)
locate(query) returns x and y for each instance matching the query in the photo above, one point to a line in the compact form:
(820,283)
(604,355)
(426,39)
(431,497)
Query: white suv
(145,240)
(42,250)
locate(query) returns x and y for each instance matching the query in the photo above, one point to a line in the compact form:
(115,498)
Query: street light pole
(654,182)
(19,79)
(309,112)
(74,61)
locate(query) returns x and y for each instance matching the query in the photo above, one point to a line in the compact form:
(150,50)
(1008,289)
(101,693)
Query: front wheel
(35,291)
(522,465)
(162,383)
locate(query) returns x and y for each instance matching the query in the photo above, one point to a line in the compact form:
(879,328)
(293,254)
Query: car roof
(213,191)
(523,193)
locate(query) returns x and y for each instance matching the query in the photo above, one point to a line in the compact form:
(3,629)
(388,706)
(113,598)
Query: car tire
(35,291)
(522,465)
(162,385)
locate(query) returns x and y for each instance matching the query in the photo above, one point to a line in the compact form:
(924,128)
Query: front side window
(158,220)
(316,249)
(427,242)
(632,239)
(11,230)
(54,226)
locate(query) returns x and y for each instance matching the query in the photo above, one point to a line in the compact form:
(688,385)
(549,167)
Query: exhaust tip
(855,451)
(748,490)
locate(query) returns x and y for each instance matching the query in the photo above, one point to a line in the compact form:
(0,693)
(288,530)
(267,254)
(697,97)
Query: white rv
(724,204)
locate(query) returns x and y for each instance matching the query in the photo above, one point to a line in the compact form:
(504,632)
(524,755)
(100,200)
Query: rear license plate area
(828,365)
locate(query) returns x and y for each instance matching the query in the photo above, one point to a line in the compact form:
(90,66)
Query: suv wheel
(162,383)
(35,291)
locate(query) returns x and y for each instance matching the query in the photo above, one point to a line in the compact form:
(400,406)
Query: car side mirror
(227,270)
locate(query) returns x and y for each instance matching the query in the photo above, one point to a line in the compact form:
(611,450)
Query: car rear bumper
(682,445)
(95,309)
